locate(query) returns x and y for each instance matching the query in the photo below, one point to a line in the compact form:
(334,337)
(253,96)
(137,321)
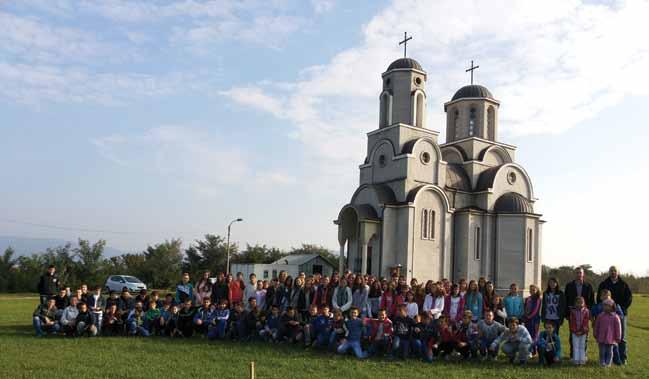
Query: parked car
(120,282)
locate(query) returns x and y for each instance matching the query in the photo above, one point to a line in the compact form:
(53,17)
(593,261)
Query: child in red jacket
(380,335)
(579,319)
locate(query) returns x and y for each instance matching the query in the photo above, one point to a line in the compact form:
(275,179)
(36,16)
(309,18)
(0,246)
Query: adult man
(43,318)
(576,288)
(48,284)
(621,294)
(96,303)
(219,289)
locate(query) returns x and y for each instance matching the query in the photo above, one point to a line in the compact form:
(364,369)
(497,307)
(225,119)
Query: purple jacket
(608,329)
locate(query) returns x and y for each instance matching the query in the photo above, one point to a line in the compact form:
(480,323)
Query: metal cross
(471,70)
(405,42)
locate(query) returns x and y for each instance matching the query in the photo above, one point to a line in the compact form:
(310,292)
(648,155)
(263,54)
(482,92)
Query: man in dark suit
(578,288)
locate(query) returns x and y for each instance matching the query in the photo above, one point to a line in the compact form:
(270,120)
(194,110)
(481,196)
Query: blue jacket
(272,322)
(184,292)
(473,302)
(321,324)
(206,315)
(514,306)
(354,329)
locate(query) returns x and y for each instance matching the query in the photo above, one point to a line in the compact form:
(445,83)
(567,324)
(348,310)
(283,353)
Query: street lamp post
(227,246)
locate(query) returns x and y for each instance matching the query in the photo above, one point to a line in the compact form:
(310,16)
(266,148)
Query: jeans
(82,328)
(511,349)
(355,346)
(97,318)
(218,330)
(42,329)
(620,350)
(578,344)
(133,328)
(400,346)
(321,339)
(605,354)
(485,344)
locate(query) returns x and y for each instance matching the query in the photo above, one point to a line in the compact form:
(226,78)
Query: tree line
(159,265)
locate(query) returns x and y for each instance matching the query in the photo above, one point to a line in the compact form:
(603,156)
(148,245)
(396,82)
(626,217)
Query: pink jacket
(608,329)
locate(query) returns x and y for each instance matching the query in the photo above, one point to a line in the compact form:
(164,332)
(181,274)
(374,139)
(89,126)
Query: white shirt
(413,309)
(455,304)
(435,306)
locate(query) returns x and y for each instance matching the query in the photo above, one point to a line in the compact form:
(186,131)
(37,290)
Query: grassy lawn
(24,356)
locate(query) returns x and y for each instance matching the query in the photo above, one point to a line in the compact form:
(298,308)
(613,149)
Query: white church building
(462,209)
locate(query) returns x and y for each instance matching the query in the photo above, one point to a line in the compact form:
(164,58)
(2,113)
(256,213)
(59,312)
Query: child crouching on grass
(352,341)
(608,332)
(549,345)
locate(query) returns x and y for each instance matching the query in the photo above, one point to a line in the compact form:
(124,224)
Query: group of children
(372,317)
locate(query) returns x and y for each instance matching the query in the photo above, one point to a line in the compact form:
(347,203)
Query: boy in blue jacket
(219,322)
(203,316)
(322,327)
(271,327)
(549,346)
(354,327)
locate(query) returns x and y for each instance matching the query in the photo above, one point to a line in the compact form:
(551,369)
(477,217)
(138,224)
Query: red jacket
(447,335)
(235,292)
(374,328)
(390,301)
(447,308)
(577,315)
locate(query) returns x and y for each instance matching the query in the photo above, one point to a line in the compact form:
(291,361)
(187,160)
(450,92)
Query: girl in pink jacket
(608,332)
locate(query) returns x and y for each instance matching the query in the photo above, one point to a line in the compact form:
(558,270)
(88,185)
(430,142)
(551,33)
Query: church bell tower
(403,98)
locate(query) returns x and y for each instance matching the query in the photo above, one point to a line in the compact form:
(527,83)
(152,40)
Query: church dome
(512,202)
(456,178)
(473,90)
(405,63)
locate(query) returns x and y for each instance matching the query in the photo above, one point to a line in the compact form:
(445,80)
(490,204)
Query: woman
(203,288)
(374,298)
(360,294)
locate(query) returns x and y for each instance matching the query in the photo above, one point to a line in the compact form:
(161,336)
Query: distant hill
(29,246)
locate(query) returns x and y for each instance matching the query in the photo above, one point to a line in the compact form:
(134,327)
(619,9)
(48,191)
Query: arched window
(491,124)
(456,124)
(419,111)
(530,245)
(472,116)
(478,243)
(424,224)
(385,117)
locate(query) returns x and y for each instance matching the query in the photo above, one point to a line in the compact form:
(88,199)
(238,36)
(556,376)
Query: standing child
(411,305)
(353,339)
(454,304)
(549,345)
(579,319)
(514,303)
(532,316)
(608,332)
(473,301)
(553,309)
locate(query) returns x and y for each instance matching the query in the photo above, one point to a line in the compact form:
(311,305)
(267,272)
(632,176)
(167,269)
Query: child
(184,290)
(579,322)
(203,316)
(516,342)
(434,302)
(488,330)
(467,336)
(322,327)
(165,313)
(411,306)
(113,324)
(607,332)
(135,322)
(500,313)
(381,333)
(387,300)
(513,302)
(44,318)
(308,324)
(252,320)
(68,318)
(417,333)
(446,341)
(430,336)
(454,304)
(271,328)
(185,320)
(473,301)
(85,323)
(171,323)
(235,321)
(553,308)
(532,315)
(290,329)
(338,330)
(152,318)
(219,321)
(353,339)
(402,331)
(549,345)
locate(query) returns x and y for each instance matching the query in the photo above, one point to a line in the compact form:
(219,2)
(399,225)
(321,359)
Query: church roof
(486,179)
(405,63)
(456,178)
(513,202)
(473,90)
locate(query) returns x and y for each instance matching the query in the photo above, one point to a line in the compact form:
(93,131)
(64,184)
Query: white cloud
(323,6)
(256,98)
(186,156)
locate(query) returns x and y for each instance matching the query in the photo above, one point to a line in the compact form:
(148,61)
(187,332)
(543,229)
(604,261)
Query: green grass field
(24,356)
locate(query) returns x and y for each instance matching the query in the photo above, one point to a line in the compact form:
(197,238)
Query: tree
(163,263)
(208,255)
(7,264)
(90,261)
(258,254)
(316,249)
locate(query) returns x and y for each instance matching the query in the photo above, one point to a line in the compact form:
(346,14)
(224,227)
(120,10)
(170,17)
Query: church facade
(462,209)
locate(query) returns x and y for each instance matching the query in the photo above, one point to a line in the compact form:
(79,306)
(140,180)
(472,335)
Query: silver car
(120,282)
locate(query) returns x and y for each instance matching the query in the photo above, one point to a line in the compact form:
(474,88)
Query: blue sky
(161,119)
